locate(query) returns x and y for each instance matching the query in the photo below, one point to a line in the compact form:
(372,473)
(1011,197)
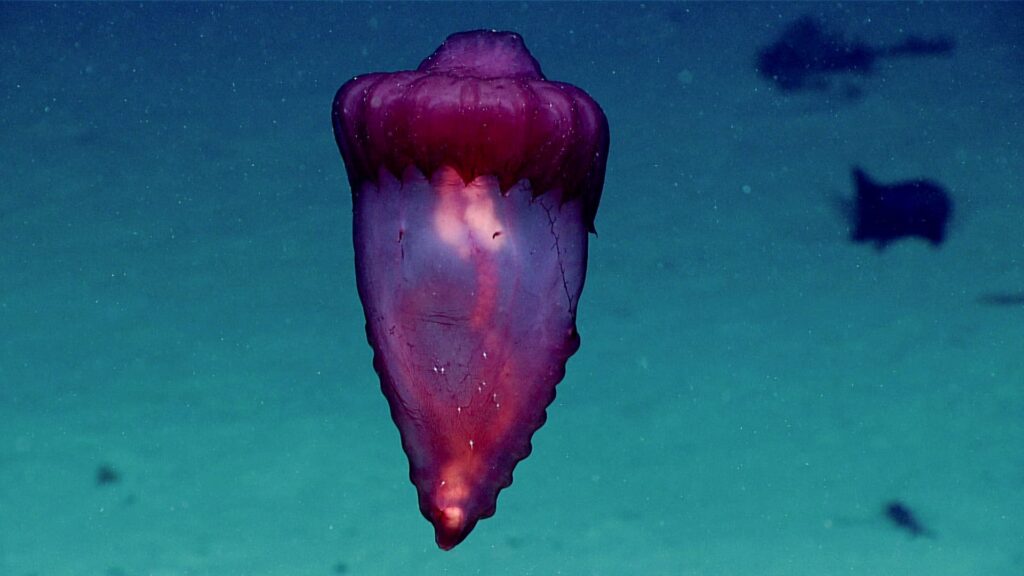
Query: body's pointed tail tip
(451,526)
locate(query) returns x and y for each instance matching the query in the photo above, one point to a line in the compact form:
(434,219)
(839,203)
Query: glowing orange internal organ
(465,219)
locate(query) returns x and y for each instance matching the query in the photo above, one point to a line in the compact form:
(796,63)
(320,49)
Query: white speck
(746,188)
(470,444)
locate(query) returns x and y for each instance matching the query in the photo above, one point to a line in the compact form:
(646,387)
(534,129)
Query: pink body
(475,182)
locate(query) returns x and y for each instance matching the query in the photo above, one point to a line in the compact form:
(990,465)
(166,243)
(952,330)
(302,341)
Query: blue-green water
(177,300)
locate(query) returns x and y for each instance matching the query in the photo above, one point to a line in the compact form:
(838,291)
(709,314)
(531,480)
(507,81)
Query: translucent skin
(475,182)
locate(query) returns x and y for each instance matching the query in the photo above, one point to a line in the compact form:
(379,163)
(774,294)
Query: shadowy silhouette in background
(882,213)
(808,53)
(901,516)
